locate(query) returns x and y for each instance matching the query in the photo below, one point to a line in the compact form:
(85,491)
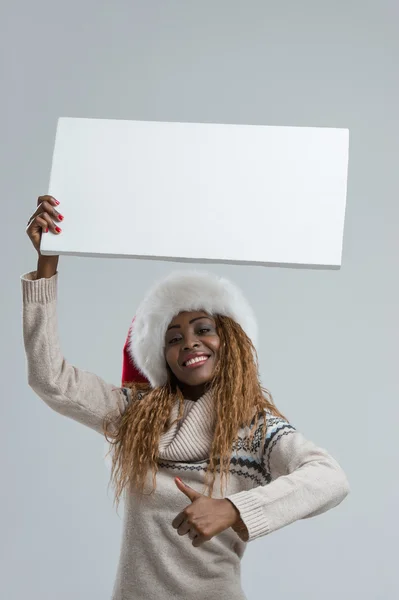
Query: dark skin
(45,220)
(190,336)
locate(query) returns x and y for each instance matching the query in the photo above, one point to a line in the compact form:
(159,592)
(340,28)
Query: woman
(192,407)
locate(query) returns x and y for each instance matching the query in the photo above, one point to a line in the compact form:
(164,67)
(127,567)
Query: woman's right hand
(43,220)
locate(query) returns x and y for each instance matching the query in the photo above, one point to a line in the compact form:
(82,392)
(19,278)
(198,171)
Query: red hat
(130,373)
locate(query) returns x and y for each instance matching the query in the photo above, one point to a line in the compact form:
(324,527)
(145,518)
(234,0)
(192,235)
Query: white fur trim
(182,291)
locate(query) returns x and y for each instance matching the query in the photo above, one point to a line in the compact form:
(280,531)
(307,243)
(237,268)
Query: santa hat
(181,291)
(130,373)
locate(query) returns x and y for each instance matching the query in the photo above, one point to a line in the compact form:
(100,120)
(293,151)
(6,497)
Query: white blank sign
(200,192)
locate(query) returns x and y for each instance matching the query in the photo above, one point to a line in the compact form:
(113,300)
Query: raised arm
(70,391)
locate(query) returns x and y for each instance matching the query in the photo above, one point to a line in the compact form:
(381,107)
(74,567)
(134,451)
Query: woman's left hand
(204,517)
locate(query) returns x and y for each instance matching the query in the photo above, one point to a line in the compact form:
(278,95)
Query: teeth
(199,359)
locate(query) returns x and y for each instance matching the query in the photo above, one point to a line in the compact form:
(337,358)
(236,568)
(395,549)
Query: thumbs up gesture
(204,517)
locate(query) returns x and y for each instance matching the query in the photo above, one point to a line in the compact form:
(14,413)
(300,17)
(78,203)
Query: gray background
(329,338)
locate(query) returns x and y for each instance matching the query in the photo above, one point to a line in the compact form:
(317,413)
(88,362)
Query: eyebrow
(192,321)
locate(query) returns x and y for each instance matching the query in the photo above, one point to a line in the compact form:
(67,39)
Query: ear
(187,490)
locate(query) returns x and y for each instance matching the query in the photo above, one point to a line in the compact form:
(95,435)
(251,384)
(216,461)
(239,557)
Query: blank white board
(200,192)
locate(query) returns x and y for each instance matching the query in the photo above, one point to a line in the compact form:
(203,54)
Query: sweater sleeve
(72,392)
(304,481)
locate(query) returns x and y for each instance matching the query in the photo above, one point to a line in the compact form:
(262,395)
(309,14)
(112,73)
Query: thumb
(187,490)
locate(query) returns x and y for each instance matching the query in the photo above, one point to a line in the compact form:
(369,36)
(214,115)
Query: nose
(190,342)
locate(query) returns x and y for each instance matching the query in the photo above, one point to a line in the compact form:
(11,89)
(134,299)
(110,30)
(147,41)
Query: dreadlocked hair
(239,401)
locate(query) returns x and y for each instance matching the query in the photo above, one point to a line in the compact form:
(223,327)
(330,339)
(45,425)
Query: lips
(195,360)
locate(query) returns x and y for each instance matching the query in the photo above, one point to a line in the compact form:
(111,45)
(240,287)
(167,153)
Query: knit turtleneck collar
(191,441)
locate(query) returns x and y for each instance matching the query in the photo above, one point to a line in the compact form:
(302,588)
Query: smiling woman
(191,351)
(190,339)
(191,406)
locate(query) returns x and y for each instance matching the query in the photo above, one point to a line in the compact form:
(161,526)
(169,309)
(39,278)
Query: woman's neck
(193,393)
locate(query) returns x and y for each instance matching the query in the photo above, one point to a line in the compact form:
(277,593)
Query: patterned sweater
(274,481)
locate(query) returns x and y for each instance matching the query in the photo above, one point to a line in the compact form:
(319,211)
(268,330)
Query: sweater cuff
(40,291)
(251,513)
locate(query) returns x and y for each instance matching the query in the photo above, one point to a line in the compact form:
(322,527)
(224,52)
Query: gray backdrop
(329,338)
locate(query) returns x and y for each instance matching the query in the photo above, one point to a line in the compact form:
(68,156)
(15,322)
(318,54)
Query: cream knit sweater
(273,482)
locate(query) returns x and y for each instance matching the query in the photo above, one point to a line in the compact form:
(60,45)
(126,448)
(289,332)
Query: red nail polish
(46,230)
(60,218)
(58,230)
(56,201)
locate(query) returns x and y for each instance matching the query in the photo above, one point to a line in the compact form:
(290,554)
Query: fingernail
(46,230)
(178,478)
(58,230)
(56,201)
(60,218)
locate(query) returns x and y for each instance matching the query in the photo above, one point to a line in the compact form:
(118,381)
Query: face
(191,351)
